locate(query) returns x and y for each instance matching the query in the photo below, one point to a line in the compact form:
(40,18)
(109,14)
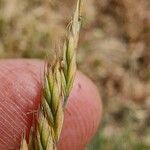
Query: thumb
(20,95)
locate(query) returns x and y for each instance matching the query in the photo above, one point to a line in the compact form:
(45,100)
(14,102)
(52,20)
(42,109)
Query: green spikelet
(69,57)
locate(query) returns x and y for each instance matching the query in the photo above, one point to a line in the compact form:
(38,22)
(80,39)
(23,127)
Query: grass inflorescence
(58,82)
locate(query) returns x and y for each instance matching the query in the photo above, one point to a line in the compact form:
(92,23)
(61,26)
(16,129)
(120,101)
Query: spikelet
(69,55)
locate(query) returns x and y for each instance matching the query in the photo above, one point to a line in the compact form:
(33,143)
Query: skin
(20,95)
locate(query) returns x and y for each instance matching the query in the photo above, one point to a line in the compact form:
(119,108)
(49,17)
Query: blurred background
(113,51)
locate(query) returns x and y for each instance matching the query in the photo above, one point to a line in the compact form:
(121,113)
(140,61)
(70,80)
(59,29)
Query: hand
(20,95)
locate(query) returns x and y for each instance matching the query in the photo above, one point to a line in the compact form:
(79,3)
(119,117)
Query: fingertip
(20,95)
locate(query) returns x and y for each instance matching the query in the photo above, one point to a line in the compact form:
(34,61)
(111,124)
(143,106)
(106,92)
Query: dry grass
(114,44)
